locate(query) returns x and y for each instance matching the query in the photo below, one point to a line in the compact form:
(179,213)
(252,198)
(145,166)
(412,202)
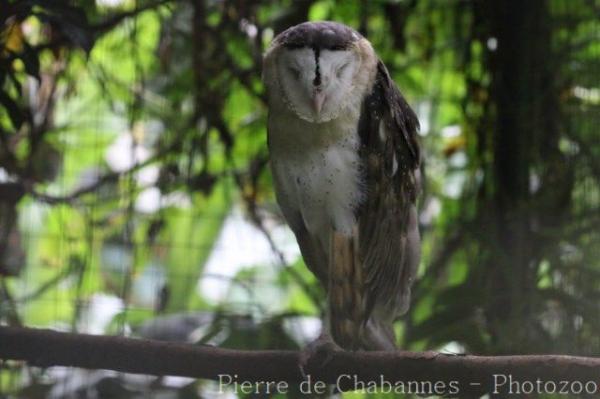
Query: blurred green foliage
(132,131)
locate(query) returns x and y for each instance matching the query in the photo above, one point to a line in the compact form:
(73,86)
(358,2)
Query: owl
(345,160)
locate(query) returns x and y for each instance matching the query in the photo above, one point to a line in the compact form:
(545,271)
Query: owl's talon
(318,353)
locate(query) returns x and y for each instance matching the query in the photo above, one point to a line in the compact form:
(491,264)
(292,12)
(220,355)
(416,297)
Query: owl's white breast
(316,170)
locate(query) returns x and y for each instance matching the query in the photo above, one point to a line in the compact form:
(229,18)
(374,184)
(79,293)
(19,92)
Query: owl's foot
(317,353)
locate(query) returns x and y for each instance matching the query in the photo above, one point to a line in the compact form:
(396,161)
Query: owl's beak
(318,100)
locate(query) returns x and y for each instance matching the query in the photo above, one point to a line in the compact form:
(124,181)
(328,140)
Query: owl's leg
(317,353)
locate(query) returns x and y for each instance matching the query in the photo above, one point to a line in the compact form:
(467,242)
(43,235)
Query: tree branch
(469,375)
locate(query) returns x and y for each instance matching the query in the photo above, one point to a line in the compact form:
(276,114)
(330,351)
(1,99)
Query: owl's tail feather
(350,325)
(379,336)
(345,291)
(347,303)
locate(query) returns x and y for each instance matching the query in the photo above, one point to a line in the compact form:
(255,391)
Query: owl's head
(315,69)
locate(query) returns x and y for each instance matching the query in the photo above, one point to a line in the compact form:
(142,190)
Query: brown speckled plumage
(367,268)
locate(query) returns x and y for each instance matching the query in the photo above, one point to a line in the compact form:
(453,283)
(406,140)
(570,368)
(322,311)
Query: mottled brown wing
(389,244)
(371,271)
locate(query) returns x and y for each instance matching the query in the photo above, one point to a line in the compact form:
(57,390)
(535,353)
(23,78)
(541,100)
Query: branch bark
(461,376)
